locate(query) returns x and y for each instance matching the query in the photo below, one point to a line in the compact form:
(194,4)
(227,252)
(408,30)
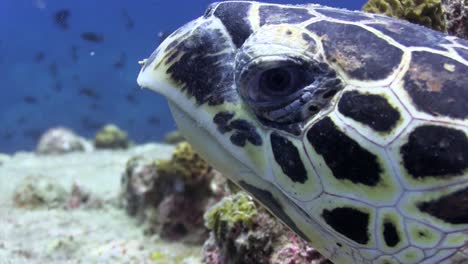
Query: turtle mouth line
(208,145)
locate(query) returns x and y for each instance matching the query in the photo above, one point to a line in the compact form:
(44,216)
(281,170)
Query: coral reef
(39,191)
(170,196)
(456,12)
(448,16)
(80,197)
(137,186)
(243,232)
(111,137)
(61,140)
(174,137)
(77,229)
(423,12)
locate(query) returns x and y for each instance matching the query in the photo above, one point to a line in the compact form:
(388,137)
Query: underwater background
(74,64)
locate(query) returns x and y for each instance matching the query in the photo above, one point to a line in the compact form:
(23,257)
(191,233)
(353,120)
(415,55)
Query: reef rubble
(80,221)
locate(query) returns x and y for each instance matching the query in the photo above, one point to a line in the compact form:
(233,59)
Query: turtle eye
(278,83)
(285,89)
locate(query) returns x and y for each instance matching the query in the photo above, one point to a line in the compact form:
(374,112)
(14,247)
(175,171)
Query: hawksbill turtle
(350,127)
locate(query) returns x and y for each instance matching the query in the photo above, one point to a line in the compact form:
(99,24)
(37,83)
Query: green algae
(427,13)
(238,209)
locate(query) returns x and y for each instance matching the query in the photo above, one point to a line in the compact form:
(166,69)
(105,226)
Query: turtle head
(237,73)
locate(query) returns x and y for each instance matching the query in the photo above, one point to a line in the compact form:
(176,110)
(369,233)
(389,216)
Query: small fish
(53,70)
(129,22)
(74,53)
(89,92)
(153,120)
(75,77)
(61,18)
(90,124)
(94,106)
(121,61)
(131,98)
(92,37)
(7,135)
(32,133)
(29,99)
(57,86)
(39,57)
(21,120)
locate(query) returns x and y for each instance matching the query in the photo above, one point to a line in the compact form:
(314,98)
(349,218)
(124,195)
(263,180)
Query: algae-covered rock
(185,163)
(171,196)
(428,13)
(61,140)
(456,12)
(233,210)
(39,191)
(174,137)
(244,232)
(138,186)
(111,137)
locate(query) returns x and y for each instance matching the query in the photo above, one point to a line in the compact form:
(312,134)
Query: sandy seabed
(81,235)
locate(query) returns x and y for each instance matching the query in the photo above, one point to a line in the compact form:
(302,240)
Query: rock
(3,158)
(180,218)
(243,232)
(174,137)
(39,191)
(447,16)
(138,190)
(456,12)
(171,196)
(80,197)
(111,137)
(61,140)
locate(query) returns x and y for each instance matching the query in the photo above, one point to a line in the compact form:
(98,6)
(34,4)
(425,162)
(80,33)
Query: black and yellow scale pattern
(375,168)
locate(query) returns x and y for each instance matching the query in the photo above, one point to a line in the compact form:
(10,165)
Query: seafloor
(99,234)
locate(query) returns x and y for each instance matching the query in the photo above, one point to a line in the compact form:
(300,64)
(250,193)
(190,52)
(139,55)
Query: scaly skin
(350,127)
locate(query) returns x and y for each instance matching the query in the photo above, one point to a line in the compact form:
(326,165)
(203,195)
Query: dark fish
(21,120)
(39,57)
(91,124)
(89,92)
(29,99)
(75,77)
(7,135)
(74,53)
(32,133)
(57,87)
(131,98)
(153,120)
(94,106)
(129,22)
(121,61)
(92,37)
(53,71)
(61,18)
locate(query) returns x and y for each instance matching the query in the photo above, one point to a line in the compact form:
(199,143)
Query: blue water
(50,76)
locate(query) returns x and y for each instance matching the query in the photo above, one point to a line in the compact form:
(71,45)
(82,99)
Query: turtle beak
(153,71)
(195,63)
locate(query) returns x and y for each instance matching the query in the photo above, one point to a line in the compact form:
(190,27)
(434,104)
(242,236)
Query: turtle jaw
(194,69)
(209,147)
